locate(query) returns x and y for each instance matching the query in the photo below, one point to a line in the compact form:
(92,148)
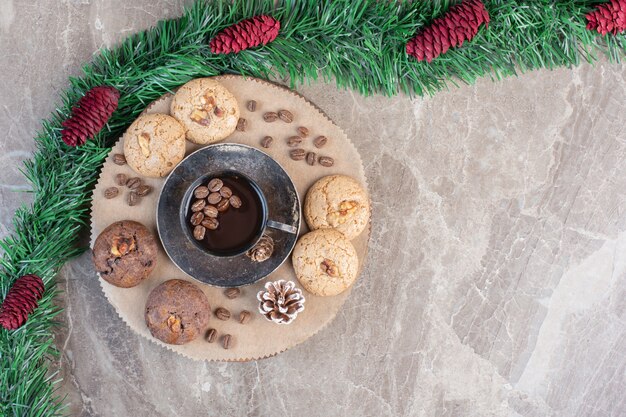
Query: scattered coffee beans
(210,211)
(226,192)
(143,190)
(251,105)
(244,317)
(211,335)
(285,116)
(242,125)
(210,223)
(235,201)
(232,293)
(294,141)
(133,183)
(120,179)
(222,206)
(133,199)
(198,205)
(310,158)
(320,141)
(227,341)
(111,192)
(326,161)
(214,198)
(270,116)
(266,142)
(303,131)
(197,218)
(119,159)
(222,314)
(215,184)
(297,154)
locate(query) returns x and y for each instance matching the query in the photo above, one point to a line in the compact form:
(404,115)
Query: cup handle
(281,226)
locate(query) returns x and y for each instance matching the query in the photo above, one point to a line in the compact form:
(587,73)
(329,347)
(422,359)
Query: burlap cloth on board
(259,338)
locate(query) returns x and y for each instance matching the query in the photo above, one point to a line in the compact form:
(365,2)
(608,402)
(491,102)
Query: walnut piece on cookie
(154,144)
(325,262)
(206,109)
(338,202)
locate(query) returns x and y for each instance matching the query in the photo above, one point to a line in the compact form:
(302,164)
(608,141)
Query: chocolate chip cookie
(338,202)
(325,262)
(177,312)
(207,110)
(125,253)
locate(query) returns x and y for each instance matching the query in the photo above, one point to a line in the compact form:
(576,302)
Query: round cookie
(325,262)
(154,144)
(339,202)
(125,253)
(177,312)
(207,110)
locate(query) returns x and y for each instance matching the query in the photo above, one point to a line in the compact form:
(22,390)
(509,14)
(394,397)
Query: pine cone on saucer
(281,301)
(263,250)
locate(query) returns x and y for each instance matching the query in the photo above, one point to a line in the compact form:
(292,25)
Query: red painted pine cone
(90,115)
(258,30)
(20,301)
(608,17)
(458,24)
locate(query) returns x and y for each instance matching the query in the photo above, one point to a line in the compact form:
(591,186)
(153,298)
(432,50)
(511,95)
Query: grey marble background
(495,285)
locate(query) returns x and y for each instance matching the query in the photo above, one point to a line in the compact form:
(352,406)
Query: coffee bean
(198,205)
(285,116)
(244,317)
(326,161)
(251,105)
(215,184)
(235,201)
(143,190)
(297,154)
(242,124)
(222,206)
(210,223)
(201,192)
(310,158)
(214,198)
(266,142)
(120,179)
(232,293)
(270,116)
(211,335)
(119,159)
(222,314)
(111,192)
(197,218)
(227,341)
(133,199)
(226,192)
(294,141)
(210,211)
(320,141)
(198,232)
(303,131)
(133,183)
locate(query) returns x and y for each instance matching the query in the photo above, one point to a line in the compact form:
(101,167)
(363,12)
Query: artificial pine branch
(358,44)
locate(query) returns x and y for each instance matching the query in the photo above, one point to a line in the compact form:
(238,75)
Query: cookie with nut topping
(125,253)
(325,262)
(338,202)
(154,144)
(207,110)
(177,312)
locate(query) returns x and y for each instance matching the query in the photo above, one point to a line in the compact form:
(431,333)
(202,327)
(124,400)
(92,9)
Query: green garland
(358,44)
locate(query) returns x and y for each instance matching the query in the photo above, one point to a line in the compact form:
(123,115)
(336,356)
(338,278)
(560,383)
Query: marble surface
(495,284)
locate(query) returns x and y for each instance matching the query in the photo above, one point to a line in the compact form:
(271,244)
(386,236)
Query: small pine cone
(263,250)
(460,23)
(608,17)
(258,30)
(21,300)
(281,301)
(90,114)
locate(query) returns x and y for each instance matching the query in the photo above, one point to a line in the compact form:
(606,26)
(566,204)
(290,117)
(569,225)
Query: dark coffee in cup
(240,223)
